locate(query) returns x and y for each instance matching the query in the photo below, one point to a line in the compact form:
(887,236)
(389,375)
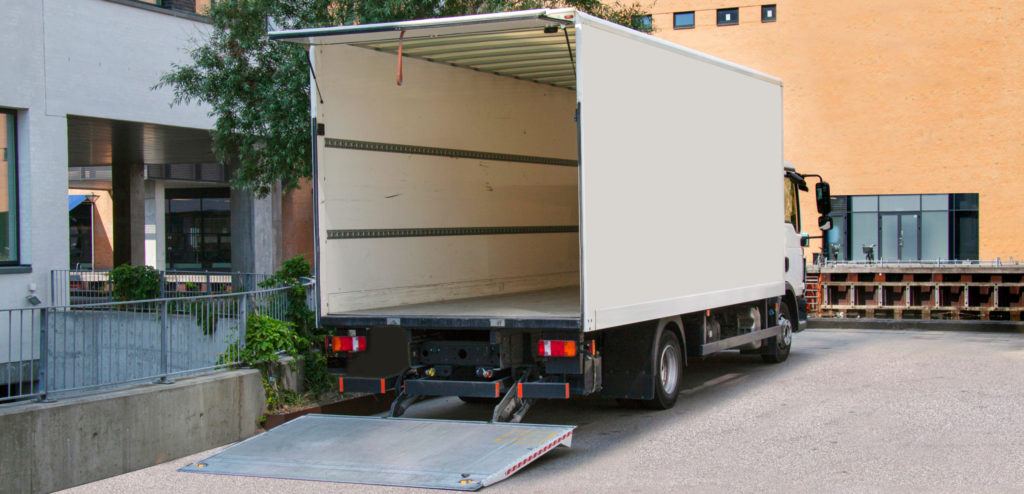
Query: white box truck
(543,204)
(546,203)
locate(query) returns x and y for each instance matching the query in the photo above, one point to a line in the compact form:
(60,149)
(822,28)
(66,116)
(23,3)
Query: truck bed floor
(558,307)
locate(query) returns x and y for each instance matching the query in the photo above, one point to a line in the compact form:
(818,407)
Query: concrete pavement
(852,410)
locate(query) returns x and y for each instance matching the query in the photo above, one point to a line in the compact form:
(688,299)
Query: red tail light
(556,348)
(347,343)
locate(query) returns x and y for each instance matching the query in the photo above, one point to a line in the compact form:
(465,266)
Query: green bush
(265,337)
(135,282)
(292,271)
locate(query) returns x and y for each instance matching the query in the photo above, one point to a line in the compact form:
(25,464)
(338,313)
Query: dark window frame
(732,22)
(12,160)
(962,208)
(773,9)
(203,255)
(693,20)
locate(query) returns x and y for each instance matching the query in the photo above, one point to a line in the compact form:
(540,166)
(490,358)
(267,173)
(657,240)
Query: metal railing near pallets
(963,291)
(48,351)
(87,286)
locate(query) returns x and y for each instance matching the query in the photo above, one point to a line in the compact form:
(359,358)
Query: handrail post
(44,353)
(243,309)
(165,345)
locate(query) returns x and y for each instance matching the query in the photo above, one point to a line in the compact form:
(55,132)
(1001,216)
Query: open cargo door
(437,454)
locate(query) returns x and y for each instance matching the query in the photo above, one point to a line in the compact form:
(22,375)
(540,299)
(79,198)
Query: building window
(198,229)
(682,20)
(8,187)
(80,224)
(642,23)
(911,227)
(768,13)
(728,17)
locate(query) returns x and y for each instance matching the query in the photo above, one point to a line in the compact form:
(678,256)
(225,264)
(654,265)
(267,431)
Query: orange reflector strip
(519,389)
(496,390)
(341,384)
(567,391)
(336,343)
(381,385)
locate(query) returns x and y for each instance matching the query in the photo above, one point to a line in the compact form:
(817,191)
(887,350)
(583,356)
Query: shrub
(135,282)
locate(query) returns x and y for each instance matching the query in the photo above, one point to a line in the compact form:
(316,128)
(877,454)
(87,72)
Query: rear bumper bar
(439,387)
(476,389)
(366,384)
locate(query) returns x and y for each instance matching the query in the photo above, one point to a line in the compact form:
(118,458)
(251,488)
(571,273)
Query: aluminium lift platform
(438,454)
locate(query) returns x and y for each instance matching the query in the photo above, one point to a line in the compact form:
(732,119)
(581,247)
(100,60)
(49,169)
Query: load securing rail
(438,454)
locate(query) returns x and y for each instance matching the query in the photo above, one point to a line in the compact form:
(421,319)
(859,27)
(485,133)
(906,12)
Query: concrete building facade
(888,99)
(81,117)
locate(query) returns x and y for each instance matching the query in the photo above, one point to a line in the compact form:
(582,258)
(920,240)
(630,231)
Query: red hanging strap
(401,38)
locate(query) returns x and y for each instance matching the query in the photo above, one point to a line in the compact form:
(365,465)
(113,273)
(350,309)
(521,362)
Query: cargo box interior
(453,193)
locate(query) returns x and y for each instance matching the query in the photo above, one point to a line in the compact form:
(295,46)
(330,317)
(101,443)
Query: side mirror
(805,240)
(823,196)
(824,223)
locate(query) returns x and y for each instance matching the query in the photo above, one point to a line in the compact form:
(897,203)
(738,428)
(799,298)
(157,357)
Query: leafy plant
(135,282)
(266,337)
(297,312)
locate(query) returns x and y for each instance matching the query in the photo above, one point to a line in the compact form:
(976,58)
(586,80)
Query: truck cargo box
(539,169)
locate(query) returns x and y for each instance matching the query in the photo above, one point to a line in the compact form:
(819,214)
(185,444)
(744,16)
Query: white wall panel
(682,179)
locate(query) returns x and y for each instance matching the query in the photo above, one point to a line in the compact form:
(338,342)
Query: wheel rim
(787,332)
(669,369)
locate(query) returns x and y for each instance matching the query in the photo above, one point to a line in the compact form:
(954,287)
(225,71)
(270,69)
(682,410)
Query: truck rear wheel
(668,370)
(777,348)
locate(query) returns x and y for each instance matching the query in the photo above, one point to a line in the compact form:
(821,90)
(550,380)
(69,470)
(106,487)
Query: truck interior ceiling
(458,179)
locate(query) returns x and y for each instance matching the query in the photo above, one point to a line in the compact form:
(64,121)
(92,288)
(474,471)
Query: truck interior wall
(440,106)
(681,177)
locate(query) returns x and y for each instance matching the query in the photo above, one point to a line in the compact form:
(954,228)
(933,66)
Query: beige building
(889,98)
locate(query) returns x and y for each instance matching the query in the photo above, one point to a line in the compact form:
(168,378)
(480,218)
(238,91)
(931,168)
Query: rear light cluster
(346,343)
(556,348)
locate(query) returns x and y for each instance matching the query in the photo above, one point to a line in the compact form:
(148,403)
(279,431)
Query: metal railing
(87,286)
(945,262)
(48,350)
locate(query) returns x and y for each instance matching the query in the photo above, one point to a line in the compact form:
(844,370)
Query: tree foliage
(258,90)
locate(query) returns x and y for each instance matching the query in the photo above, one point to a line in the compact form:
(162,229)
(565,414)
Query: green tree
(258,90)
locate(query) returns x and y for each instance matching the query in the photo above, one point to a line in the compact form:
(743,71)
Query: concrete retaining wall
(52,446)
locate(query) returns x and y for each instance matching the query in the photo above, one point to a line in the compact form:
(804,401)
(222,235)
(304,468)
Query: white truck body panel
(682,174)
(677,198)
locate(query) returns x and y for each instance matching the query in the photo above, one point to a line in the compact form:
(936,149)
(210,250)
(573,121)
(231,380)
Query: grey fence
(87,286)
(48,350)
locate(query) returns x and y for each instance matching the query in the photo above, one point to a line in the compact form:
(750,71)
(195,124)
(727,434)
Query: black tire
(477,400)
(777,348)
(668,372)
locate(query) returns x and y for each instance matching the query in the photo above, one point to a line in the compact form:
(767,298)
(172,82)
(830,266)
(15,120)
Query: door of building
(899,237)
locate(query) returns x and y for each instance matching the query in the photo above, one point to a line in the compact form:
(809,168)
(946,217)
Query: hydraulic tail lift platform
(438,454)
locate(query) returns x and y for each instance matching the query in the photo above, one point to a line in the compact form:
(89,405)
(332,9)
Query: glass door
(899,237)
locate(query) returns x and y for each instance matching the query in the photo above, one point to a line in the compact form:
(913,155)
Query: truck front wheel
(668,370)
(777,348)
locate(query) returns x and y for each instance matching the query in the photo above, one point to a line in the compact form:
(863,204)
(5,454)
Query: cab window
(792,206)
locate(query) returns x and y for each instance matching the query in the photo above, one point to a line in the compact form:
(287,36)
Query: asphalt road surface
(851,410)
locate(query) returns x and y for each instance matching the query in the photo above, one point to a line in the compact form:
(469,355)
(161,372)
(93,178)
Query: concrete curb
(917,325)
